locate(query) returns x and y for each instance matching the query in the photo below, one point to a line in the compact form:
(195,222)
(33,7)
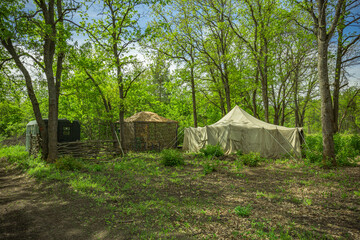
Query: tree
(174,34)
(89,68)
(214,39)
(345,42)
(39,36)
(323,31)
(258,18)
(115,33)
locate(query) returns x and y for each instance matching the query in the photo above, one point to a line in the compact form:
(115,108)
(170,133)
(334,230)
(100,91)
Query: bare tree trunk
(283,108)
(296,90)
(327,118)
(339,55)
(227,95)
(254,94)
(264,80)
(336,92)
(121,112)
(276,115)
(193,95)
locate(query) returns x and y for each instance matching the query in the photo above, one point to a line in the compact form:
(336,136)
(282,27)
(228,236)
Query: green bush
(313,156)
(243,211)
(355,143)
(347,147)
(251,159)
(210,166)
(16,154)
(68,163)
(171,157)
(314,142)
(239,153)
(212,150)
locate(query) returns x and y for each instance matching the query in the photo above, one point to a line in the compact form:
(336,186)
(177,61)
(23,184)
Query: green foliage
(243,211)
(251,159)
(347,148)
(12,119)
(210,166)
(239,152)
(15,154)
(212,151)
(69,163)
(20,157)
(171,157)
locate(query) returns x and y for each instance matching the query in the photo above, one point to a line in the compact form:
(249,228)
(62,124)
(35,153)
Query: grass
(243,211)
(204,198)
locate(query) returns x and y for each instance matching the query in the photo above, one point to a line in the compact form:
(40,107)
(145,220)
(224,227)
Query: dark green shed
(67,132)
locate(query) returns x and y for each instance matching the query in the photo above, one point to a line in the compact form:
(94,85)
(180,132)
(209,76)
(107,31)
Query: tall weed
(212,150)
(251,159)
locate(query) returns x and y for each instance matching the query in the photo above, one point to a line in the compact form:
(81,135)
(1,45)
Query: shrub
(171,157)
(239,152)
(68,163)
(347,147)
(210,166)
(355,143)
(314,142)
(313,156)
(243,211)
(14,153)
(212,150)
(17,155)
(251,159)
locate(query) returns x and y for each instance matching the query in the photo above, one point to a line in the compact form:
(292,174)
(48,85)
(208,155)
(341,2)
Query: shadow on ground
(29,210)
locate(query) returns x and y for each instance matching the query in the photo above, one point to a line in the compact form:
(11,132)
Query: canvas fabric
(238,130)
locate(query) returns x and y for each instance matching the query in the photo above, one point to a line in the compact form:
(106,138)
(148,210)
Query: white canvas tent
(238,130)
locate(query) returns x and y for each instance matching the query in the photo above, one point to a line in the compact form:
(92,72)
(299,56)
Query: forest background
(191,61)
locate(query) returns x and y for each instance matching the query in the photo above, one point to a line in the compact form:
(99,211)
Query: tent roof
(147,117)
(238,116)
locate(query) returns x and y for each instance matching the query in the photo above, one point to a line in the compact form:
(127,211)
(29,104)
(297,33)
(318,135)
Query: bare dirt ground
(29,210)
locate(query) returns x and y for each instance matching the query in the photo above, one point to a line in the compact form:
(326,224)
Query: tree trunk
(264,79)
(327,117)
(193,93)
(121,112)
(336,93)
(296,90)
(227,96)
(254,94)
(49,50)
(276,115)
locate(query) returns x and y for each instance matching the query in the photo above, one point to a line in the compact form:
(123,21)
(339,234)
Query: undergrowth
(212,151)
(347,148)
(243,211)
(69,163)
(137,188)
(171,157)
(251,159)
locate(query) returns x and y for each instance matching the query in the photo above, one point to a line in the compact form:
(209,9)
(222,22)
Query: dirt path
(30,210)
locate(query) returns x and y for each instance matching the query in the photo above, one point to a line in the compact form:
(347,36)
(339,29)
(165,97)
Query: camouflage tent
(146,131)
